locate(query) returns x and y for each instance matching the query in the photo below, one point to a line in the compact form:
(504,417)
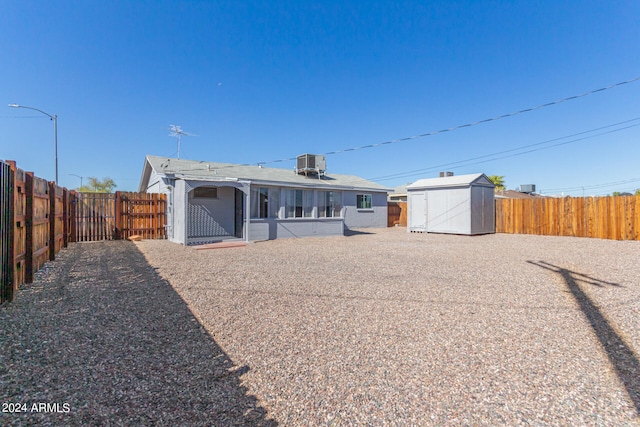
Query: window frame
(329,204)
(299,202)
(197,192)
(265,202)
(364,201)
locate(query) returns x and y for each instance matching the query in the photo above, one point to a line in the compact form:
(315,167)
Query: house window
(265,202)
(298,204)
(205,193)
(329,204)
(363,201)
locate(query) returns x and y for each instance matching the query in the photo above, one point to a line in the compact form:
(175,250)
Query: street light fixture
(55,130)
(73,174)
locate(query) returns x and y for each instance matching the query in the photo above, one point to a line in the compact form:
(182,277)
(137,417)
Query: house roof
(400,190)
(195,170)
(451,181)
(512,194)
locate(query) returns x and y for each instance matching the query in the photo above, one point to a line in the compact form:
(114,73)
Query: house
(210,201)
(461,204)
(398,194)
(513,194)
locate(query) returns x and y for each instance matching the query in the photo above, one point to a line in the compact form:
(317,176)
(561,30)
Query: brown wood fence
(612,217)
(38,219)
(397,214)
(120,215)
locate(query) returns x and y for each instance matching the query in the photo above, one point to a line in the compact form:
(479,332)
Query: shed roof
(215,171)
(451,181)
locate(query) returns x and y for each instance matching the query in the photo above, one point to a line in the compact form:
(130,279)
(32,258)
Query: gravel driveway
(378,328)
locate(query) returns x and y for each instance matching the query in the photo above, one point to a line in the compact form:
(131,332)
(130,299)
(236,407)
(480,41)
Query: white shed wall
(449,210)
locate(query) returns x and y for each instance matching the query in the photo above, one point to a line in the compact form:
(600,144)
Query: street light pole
(53,117)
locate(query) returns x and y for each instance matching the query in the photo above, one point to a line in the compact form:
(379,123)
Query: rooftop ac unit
(527,188)
(311,164)
(445,174)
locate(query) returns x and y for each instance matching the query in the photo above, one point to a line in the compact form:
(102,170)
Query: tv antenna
(178,132)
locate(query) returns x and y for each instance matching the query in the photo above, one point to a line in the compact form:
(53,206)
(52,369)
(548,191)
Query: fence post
(28,225)
(7,183)
(65,217)
(118,216)
(52,220)
(72,216)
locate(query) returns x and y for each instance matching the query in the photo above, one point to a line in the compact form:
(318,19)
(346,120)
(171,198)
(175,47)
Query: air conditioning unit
(311,164)
(527,188)
(445,174)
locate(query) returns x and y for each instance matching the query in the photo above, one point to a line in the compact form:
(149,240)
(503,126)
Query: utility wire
(460,162)
(526,110)
(544,148)
(591,187)
(25,117)
(463,163)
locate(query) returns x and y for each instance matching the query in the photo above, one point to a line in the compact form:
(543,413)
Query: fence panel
(6,232)
(611,217)
(397,214)
(141,214)
(94,216)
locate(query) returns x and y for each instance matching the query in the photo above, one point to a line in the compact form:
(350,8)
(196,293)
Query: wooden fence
(120,215)
(6,234)
(612,217)
(397,214)
(38,219)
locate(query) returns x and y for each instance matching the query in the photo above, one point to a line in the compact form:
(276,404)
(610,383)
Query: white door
(418,211)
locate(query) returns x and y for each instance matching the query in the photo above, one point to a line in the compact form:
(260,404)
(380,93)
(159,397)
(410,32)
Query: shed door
(418,203)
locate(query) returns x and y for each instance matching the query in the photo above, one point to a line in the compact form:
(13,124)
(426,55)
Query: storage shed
(461,204)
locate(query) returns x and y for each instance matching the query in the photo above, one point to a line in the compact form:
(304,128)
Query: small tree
(638,192)
(616,193)
(498,181)
(106,185)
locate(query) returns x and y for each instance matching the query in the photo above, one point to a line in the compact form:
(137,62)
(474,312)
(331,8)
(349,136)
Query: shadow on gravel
(351,232)
(622,357)
(103,340)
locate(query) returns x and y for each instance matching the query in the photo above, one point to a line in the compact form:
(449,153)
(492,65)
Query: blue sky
(258,81)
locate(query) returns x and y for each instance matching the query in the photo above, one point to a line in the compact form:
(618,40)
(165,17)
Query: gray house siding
(272,228)
(179,208)
(374,217)
(211,217)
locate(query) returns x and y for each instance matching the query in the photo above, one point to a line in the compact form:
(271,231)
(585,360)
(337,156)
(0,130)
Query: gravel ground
(103,340)
(378,328)
(389,328)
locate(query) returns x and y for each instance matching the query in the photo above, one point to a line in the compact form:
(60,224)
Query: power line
(526,110)
(462,163)
(23,117)
(591,187)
